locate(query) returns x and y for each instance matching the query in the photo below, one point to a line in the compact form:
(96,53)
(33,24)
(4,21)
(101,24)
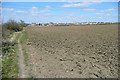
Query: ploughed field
(89,51)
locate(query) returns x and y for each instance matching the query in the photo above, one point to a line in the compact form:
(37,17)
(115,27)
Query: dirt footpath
(73,51)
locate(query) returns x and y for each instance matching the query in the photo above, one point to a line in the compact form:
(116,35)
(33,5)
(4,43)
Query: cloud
(85,4)
(107,10)
(89,9)
(71,16)
(60,18)
(34,10)
(8,9)
(102,14)
(9,14)
(20,11)
(100,17)
(48,7)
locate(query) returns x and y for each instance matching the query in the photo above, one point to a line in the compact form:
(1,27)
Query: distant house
(33,24)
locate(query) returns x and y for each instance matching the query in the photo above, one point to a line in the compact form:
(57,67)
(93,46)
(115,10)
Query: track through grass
(10,58)
(13,60)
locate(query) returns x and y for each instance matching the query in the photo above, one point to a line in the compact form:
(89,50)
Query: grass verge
(24,38)
(23,42)
(9,60)
(10,67)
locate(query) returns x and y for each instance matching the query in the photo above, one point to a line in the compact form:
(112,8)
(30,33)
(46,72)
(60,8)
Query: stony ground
(73,51)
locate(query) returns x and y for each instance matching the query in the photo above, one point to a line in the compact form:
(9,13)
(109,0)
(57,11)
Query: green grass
(10,67)
(10,59)
(24,38)
(9,62)
(17,37)
(0,66)
(23,42)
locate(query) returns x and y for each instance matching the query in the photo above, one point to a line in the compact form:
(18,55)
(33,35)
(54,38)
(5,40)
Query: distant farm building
(33,24)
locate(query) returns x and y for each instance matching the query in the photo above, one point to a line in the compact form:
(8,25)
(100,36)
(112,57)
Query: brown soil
(73,51)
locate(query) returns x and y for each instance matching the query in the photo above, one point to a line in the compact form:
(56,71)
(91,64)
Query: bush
(13,25)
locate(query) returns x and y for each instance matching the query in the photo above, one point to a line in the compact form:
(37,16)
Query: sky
(60,0)
(60,12)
